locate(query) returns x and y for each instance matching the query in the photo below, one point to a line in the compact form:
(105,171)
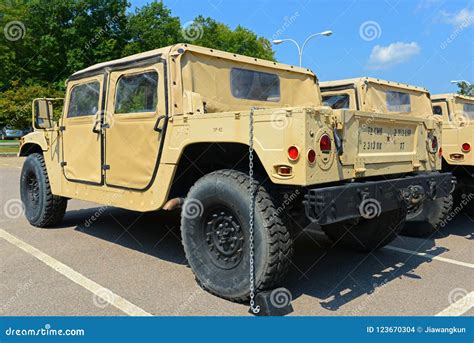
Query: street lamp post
(301,49)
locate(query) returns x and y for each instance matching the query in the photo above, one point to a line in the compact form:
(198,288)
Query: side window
(469,110)
(254,85)
(437,110)
(339,101)
(84,100)
(398,102)
(137,93)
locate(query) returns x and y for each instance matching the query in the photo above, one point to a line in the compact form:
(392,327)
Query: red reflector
(466,147)
(325,143)
(311,156)
(434,143)
(284,170)
(293,153)
(440,152)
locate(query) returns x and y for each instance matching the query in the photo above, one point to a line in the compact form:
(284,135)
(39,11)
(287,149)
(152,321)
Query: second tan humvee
(376,95)
(176,126)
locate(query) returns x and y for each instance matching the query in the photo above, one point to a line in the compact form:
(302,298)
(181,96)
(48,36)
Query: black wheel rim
(32,190)
(224,237)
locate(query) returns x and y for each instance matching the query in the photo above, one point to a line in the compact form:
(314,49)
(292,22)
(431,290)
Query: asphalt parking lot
(136,263)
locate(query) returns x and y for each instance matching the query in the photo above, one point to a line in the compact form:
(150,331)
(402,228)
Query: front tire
(215,234)
(42,207)
(429,218)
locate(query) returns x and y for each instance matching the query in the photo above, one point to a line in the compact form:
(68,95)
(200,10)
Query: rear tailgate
(371,139)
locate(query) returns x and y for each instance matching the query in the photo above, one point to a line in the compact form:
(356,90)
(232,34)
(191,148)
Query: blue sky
(421,42)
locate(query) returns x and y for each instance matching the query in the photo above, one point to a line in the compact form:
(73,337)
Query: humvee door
(134,121)
(80,130)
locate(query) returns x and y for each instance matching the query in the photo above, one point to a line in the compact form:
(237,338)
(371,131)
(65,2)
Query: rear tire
(429,219)
(214,228)
(42,208)
(366,235)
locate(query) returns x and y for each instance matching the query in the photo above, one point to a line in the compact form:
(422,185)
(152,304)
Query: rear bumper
(370,198)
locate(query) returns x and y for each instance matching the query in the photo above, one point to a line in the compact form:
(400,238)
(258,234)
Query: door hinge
(62,128)
(63,164)
(105,167)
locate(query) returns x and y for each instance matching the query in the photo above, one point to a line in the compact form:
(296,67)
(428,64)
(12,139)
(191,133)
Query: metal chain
(253,308)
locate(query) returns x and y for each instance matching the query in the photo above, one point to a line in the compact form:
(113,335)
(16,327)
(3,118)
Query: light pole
(301,49)
(460,81)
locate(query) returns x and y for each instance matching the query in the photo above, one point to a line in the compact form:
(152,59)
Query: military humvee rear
(176,127)
(375,95)
(457,113)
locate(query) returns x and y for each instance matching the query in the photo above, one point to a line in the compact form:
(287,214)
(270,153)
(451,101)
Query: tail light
(293,153)
(466,147)
(325,143)
(311,156)
(440,152)
(432,144)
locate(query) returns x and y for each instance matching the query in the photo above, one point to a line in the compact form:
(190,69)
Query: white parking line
(459,307)
(429,256)
(99,291)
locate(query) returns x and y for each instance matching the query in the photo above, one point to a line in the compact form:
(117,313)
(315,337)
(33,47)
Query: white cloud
(386,56)
(464,17)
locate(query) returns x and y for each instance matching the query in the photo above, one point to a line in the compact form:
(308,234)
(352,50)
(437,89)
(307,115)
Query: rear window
(469,110)
(137,93)
(254,85)
(340,101)
(398,102)
(437,110)
(84,100)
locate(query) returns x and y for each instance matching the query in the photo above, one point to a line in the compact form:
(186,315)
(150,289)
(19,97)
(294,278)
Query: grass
(8,149)
(9,141)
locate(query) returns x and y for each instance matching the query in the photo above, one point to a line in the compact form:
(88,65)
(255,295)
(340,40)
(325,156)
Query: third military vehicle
(457,113)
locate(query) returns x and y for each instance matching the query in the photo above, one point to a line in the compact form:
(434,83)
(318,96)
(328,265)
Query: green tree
(15,103)
(465,88)
(212,34)
(151,27)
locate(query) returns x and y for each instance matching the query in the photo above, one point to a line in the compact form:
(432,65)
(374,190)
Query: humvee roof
(204,76)
(363,80)
(448,96)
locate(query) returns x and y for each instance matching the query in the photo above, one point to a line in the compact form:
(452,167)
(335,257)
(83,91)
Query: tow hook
(413,195)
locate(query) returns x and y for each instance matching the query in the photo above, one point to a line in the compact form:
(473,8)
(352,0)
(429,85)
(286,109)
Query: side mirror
(42,114)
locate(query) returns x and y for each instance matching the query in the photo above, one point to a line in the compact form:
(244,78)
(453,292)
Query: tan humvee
(457,112)
(174,126)
(376,95)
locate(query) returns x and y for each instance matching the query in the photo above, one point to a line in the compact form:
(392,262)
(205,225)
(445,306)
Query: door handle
(94,128)
(158,120)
